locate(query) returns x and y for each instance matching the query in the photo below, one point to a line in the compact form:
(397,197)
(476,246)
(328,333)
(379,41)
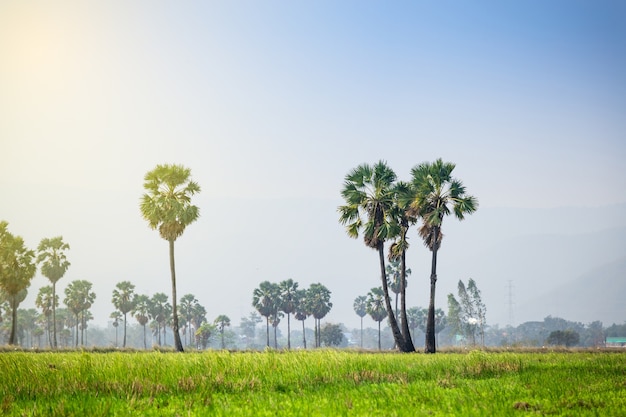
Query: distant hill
(598,294)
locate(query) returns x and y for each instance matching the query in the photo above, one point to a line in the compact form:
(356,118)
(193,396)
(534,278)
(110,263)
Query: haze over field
(272,103)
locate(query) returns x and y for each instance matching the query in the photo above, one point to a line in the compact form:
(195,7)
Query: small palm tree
(187,302)
(141,311)
(376,308)
(54,264)
(124,299)
(265,300)
(78,299)
(117,317)
(45,301)
(288,289)
(302,312)
(167,207)
(318,300)
(360,308)
(437,194)
(222,322)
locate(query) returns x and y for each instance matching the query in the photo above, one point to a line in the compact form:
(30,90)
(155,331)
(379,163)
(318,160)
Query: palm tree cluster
(382,209)
(273,301)
(156,312)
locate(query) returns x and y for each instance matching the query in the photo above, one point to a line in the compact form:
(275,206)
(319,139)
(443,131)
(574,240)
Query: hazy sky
(271,104)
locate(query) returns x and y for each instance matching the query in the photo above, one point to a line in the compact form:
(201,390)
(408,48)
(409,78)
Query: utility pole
(510,302)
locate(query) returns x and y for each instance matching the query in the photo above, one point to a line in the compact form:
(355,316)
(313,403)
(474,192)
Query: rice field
(312,383)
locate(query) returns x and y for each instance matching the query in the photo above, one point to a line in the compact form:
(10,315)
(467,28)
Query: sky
(271,104)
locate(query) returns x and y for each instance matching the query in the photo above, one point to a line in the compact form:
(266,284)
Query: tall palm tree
(288,291)
(124,299)
(265,301)
(167,207)
(44,301)
(437,194)
(376,308)
(54,264)
(17,269)
(360,308)
(370,198)
(222,322)
(141,311)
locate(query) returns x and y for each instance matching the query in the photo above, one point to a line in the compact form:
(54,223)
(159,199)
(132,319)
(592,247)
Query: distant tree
(124,299)
(467,315)
(221,323)
(78,299)
(160,310)
(141,312)
(167,207)
(51,256)
(566,338)
(265,300)
(318,300)
(394,279)
(376,308)
(415,318)
(187,302)
(436,195)
(117,317)
(302,311)
(360,308)
(331,334)
(288,291)
(370,197)
(204,333)
(45,302)
(248,326)
(27,321)
(17,269)
(198,317)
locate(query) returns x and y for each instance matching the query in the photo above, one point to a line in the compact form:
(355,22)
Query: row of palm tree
(382,209)
(274,300)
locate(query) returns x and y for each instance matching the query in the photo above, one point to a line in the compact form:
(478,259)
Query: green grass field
(312,383)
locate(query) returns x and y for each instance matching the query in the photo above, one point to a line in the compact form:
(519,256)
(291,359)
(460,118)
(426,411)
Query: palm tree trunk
(379,336)
(177,343)
(267,329)
(397,335)
(76,333)
(303,335)
(406,333)
(361,332)
(54,316)
(430,323)
(13,320)
(145,346)
(124,341)
(288,333)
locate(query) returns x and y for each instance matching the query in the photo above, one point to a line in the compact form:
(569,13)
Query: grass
(312,383)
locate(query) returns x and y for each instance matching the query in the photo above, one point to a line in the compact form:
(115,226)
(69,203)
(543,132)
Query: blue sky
(279,100)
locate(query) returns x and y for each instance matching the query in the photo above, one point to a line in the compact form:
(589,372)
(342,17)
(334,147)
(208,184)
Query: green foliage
(331,335)
(563,338)
(313,383)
